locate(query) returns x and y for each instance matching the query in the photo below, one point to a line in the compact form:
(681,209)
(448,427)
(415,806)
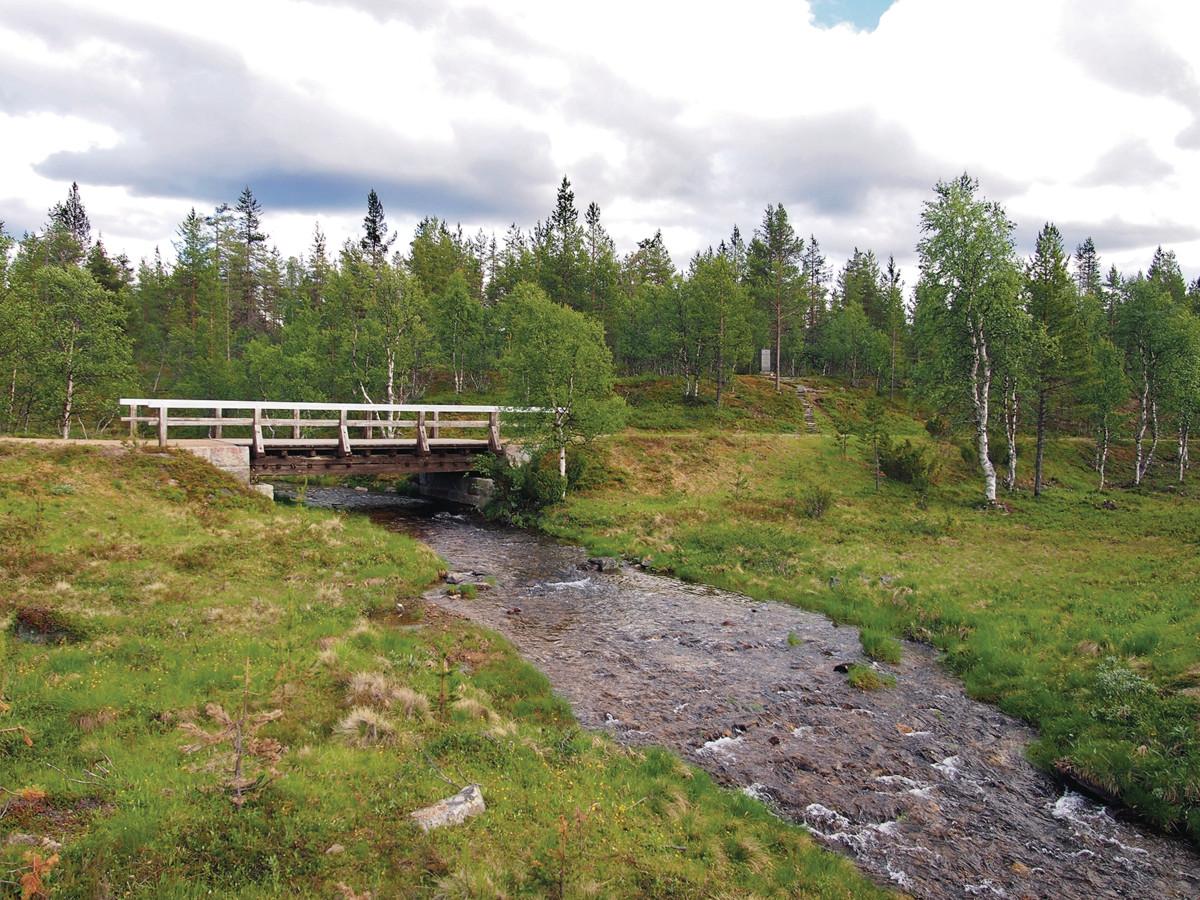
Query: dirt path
(925,788)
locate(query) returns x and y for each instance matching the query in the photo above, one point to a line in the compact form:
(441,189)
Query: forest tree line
(994,342)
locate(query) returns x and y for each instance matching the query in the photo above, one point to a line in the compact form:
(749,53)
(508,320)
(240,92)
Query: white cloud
(1086,112)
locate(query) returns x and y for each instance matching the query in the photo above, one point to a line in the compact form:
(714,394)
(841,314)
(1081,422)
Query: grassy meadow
(204,694)
(1077,611)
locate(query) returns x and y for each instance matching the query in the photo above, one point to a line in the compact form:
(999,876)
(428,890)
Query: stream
(924,788)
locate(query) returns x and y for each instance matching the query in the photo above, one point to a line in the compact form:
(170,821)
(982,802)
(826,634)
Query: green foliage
(521,491)
(937,427)
(557,361)
(908,462)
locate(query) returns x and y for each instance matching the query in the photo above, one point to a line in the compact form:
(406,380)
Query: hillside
(154,612)
(1076,611)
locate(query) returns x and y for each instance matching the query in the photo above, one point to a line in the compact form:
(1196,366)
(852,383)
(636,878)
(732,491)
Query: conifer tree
(71,216)
(1087,269)
(247,262)
(774,265)
(375,241)
(815,271)
(1051,304)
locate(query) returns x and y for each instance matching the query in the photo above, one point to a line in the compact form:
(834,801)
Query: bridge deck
(296,438)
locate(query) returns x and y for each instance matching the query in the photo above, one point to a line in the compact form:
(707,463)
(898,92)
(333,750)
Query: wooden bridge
(281,438)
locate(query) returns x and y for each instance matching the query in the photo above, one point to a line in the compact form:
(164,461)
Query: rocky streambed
(927,789)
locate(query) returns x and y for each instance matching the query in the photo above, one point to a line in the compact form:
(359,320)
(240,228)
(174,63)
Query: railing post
(494,431)
(258,438)
(343,434)
(370,428)
(162,426)
(295,424)
(133,413)
(218,413)
(422,437)
(437,428)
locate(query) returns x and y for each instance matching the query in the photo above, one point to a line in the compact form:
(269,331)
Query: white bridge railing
(312,426)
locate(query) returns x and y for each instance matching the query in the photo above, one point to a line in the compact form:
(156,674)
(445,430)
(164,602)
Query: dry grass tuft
(378,691)
(93,721)
(414,705)
(364,727)
(329,594)
(472,709)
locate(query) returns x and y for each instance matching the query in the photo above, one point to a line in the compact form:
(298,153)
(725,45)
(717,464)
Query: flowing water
(925,788)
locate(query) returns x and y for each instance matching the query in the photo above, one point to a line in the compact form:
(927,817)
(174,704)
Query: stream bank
(925,788)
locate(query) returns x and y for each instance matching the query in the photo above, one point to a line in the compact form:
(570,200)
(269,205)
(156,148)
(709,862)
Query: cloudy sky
(686,117)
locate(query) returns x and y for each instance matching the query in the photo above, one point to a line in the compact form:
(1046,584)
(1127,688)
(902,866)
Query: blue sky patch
(862,14)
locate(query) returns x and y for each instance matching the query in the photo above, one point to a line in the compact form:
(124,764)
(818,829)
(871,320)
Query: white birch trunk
(67,403)
(1183,450)
(1010,433)
(1143,420)
(1102,455)
(981,384)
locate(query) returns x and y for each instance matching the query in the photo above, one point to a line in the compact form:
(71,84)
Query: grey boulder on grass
(452,811)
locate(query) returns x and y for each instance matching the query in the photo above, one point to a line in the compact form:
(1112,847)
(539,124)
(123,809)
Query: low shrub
(938,428)
(521,491)
(908,463)
(815,501)
(42,625)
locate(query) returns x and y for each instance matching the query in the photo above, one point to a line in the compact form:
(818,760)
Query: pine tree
(774,265)
(375,241)
(895,318)
(248,262)
(1052,305)
(72,217)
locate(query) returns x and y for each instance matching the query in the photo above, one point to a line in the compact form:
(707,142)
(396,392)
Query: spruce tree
(815,271)
(1087,269)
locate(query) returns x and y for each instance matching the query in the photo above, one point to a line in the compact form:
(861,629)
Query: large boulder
(452,811)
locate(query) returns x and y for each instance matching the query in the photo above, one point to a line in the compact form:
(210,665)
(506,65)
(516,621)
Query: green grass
(1053,609)
(657,403)
(162,587)
(867,679)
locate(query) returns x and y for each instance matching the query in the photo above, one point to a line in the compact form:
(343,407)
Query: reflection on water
(927,789)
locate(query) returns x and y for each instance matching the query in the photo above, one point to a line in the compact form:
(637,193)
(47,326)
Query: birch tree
(967,266)
(80,344)
(1144,330)
(557,360)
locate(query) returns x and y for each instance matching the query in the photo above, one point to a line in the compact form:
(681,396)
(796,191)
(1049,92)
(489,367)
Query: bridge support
(224,455)
(455,487)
